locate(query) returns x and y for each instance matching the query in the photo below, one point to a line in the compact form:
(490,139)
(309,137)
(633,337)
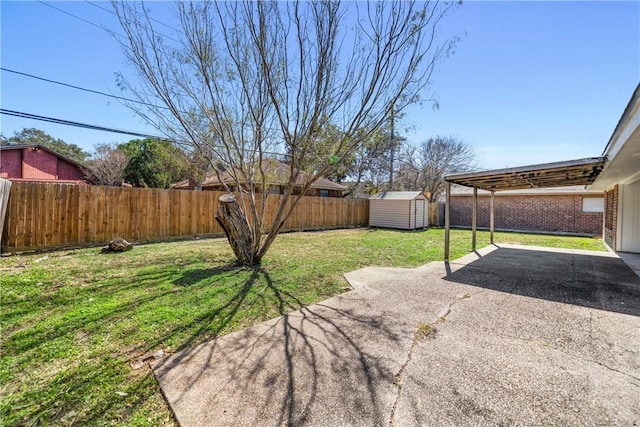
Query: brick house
(565,210)
(39,164)
(277,177)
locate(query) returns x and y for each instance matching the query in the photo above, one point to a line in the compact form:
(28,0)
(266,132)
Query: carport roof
(559,174)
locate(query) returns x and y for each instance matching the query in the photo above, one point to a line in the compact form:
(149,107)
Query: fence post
(5,190)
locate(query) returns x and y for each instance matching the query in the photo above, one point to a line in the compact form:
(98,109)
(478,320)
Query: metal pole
(492,218)
(474,219)
(447,220)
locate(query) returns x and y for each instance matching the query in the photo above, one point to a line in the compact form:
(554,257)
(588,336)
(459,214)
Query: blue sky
(530,82)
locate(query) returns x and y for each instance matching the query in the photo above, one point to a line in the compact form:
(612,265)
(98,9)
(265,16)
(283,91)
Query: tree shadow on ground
(274,373)
(598,281)
(80,324)
(285,353)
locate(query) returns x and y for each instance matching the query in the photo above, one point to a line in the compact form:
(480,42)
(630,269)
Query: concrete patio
(506,335)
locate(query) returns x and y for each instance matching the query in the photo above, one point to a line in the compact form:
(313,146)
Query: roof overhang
(559,174)
(623,148)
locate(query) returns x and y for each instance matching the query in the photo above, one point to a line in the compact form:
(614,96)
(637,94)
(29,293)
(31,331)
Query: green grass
(73,322)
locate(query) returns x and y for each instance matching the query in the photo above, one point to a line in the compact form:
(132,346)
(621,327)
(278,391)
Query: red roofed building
(276,175)
(38,163)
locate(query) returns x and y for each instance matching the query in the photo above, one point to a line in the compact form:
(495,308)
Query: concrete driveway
(506,336)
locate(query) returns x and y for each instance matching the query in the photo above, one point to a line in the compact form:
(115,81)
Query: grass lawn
(75,323)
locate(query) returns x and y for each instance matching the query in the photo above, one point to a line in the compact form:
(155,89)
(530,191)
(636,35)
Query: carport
(559,174)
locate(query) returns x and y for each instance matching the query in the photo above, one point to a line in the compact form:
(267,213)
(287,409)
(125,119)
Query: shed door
(629,231)
(419,214)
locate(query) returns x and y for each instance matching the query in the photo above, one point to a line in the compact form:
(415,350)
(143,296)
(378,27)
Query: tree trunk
(234,223)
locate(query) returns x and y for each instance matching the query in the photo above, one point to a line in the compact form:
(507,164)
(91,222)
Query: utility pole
(393,147)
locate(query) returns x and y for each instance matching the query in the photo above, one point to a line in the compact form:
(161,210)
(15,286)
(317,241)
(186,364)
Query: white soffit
(623,151)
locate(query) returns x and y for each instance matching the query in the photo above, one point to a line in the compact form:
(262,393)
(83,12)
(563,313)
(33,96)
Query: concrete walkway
(508,335)
(632,260)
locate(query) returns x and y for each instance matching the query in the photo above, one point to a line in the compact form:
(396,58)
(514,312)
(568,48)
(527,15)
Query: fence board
(14,219)
(53,221)
(436,214)
(30,223)
(5,189)
(41,216)
(70,222)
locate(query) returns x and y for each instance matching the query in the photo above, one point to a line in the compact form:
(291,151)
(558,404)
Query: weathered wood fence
(41,216)
(436,214)
(5,189)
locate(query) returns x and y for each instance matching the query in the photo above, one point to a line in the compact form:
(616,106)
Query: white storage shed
(406,210)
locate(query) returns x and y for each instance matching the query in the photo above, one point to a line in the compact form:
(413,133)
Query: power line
(81,88)
(102,27)
(115,14)
(89,90)
(111,33)
(64,122)
(77,124)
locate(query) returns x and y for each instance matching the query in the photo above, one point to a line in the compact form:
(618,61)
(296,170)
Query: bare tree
(424,166)
(107,166)
(250,79)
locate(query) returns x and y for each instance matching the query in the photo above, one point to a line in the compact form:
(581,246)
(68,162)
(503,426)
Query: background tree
(325,141)
(424,166)
(37,136)
(155,163)
(250,79)
(371,165)
(107,166)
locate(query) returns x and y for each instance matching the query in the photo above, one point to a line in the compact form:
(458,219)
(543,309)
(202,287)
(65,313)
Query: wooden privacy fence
(43,216)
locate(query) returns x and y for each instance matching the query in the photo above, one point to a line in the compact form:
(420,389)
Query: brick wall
(544,213)
(611,216)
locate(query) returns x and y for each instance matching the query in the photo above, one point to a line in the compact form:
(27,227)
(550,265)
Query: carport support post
(447,220)
(491,216)
(474,219)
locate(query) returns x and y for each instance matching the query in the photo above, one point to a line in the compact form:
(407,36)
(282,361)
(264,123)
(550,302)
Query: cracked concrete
(519,336)
(423,331)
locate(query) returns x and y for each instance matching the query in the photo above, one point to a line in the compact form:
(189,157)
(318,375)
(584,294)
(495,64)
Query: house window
(593,204)
(274,189)
(324,193)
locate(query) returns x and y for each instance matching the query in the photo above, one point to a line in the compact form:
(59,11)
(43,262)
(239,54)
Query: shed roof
(546,175)
(398,195)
